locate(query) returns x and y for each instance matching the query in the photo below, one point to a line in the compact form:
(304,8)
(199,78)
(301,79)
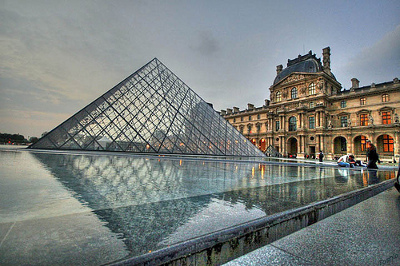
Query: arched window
(292,123)
(294,93)
(278,96)
(387,143)
(385,97)
(311,89)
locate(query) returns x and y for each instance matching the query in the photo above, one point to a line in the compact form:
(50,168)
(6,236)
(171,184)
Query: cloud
(206,44)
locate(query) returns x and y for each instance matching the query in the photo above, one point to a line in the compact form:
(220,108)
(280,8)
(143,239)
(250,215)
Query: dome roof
(307,63)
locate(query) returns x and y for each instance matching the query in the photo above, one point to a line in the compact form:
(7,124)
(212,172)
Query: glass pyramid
(151,111)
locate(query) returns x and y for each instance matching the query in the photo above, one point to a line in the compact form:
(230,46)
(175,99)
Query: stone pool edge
(228,244)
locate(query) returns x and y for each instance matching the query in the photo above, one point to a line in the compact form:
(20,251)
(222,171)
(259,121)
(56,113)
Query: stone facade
(308,111)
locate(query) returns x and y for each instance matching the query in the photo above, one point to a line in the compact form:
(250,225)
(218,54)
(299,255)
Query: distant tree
(12,138)
(33,139)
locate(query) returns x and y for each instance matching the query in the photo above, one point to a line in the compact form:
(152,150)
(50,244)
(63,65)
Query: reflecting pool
(96,208)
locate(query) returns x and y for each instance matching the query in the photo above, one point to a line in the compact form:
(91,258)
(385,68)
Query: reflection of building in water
(146,200)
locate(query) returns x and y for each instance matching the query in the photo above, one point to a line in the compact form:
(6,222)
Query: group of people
(372,158)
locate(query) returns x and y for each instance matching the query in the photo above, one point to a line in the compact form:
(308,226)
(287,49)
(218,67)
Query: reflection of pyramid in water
(151,111)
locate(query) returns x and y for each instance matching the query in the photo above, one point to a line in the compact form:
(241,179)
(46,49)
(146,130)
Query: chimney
(236,110)
(228,111)
(355,83)
(267,102)
(279,69)
(326,57)
(250,106)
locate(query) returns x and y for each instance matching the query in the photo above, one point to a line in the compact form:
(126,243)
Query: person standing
(321,156)
(372,156)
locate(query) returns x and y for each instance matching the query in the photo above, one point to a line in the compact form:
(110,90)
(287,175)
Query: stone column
(322,146)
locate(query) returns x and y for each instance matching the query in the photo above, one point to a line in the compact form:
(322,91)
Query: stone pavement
(367,233)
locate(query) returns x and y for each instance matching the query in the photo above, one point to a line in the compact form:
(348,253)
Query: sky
(56,57)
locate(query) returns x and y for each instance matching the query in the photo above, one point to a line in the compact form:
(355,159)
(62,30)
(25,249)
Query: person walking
(321,156)
(372,156)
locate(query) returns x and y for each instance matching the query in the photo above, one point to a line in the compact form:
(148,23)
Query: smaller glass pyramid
(151,111)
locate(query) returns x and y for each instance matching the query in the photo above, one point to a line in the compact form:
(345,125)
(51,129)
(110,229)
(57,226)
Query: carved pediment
(386,109)
(363,111)
(342,114)
(292,77)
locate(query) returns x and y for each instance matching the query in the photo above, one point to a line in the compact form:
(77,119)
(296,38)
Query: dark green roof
(307,63)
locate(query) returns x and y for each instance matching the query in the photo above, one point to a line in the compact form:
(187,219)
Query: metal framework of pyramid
(151,111)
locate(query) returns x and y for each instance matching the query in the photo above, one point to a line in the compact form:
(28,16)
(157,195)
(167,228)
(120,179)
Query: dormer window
(363,101)
(385,97)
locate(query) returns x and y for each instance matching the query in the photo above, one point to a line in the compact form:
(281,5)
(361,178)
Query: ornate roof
(307,63)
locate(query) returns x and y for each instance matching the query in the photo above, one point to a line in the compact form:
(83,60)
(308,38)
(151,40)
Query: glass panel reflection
(153,202)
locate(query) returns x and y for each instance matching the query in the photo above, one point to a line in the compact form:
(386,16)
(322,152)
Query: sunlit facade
(309,111)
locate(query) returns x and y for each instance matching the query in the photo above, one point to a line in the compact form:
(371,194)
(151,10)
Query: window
(311,122)
(294,93)
(363,101)
(278,96)
(343,104)
(311,104)
(343,121)
(258,127)
(386,118)
(385,97)
(277,125)
(241,129)
(241,118)
(387,143)
(292,124)
(249,117)
(363,143)
(249,129)
(311,89)
(258,116)
(234,119)
(364,120)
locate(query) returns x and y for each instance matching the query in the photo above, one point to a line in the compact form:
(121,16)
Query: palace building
(309,111)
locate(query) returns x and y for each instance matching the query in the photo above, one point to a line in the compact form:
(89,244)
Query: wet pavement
(98,208)
(366,234)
